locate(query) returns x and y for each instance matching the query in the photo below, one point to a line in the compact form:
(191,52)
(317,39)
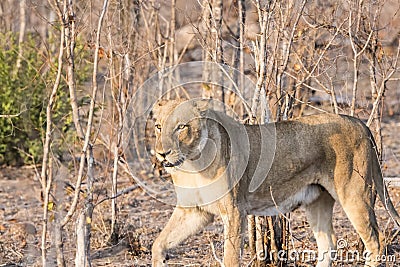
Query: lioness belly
(269,207)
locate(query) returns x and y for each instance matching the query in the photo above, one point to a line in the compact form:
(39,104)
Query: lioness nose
(164,154)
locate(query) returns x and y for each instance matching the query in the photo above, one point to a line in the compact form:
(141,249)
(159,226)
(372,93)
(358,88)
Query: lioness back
(309,151)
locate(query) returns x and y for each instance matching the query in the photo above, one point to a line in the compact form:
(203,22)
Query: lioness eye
(158,127)
(181,126)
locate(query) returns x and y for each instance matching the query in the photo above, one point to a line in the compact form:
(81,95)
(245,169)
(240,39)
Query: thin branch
(286,57)
(74,203)
(356,60)
(9,116)
(317,63)
(215,254)
(382,88)
(118,194)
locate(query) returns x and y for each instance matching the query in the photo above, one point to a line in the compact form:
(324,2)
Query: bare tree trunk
(59,243)
(251,228)
(260,242)
(216,30)
(238,56)
(213,50)
(117,88)
(59,182)
(172,52)
(261,60)
(69,19)
(114,189)
(115,92)
(89,202)
(80,256)
(86,141)
(207,56)
(46,180)
(2,20)
(84,221)
(46,194)
(22,28)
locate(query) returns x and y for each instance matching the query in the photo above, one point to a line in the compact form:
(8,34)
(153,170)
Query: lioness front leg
(234,223)
(183,223)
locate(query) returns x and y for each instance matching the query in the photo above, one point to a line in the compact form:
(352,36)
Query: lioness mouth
(168,164)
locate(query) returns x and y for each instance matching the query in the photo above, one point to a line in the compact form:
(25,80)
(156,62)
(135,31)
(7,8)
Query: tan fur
(318,160)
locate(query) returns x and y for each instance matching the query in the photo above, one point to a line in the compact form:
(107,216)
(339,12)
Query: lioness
(222,167)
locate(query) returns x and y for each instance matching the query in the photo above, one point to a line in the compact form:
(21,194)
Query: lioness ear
(202,105)
(156,108)
(161,103)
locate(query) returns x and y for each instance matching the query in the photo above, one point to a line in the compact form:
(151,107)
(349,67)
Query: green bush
(26,93)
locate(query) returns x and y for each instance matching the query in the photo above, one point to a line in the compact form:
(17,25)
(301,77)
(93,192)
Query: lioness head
(180,131)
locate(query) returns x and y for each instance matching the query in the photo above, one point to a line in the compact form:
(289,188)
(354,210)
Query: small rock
(29,228)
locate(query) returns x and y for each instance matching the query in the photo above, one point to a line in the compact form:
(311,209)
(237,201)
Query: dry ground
(142,218)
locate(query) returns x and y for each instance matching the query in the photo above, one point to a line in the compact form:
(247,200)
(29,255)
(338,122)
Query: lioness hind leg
(359,208)
(319,214)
